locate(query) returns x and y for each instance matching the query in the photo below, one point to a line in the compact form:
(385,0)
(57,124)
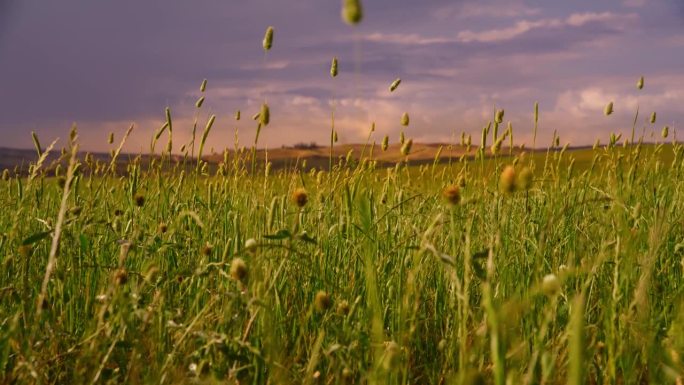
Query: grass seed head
(352,11)
(406,147)
(385,143)
(452,194)
(525,179)
(498,116)
(237,115)
(394,84)
(392,357)
(267,43)
(238,270)
(507,180)
(640,83)
(405,119)
(343,308)
(139,200)
(5,175)
(121,277)
(251,245)
(203,86)
(300,197)
(665,132)
(333,67)
(653,118)
(322,301)
(551,285)
(207,249)
(264,115)
(608,109)
(110,139)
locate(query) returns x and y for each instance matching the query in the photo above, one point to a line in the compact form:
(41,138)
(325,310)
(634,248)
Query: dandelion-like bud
(609,109)
(394,84)
(551,285)
(507,180)
(238,270)
(322,301)
(333,67)
(300,197)
(452,194)
(268,39)
(405,119)
(352,12)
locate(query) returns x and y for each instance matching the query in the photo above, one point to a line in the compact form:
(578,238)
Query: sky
(105,65)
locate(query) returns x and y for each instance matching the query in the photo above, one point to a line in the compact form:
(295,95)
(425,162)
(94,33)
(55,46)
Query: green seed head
(394,84)
(199,102)
(264,115)
(405,119)
(609,109)
(536,112)
(525,179)
(110,140)
(352,12)
(385,143)
(640,83)
(665,132)
(203,86)
(237,115)
(653,118)
(406,147)
(333,67)
(268,39)
(5,175)
(498,116)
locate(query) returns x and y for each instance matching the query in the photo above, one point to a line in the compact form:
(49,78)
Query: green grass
(435,293)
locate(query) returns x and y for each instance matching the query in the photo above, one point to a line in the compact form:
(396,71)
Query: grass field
(555,271)
(400,263)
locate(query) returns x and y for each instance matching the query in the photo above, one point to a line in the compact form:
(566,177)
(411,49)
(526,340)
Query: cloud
(617,21)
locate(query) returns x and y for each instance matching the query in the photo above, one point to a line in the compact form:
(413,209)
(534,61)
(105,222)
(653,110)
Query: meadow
(497,266)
